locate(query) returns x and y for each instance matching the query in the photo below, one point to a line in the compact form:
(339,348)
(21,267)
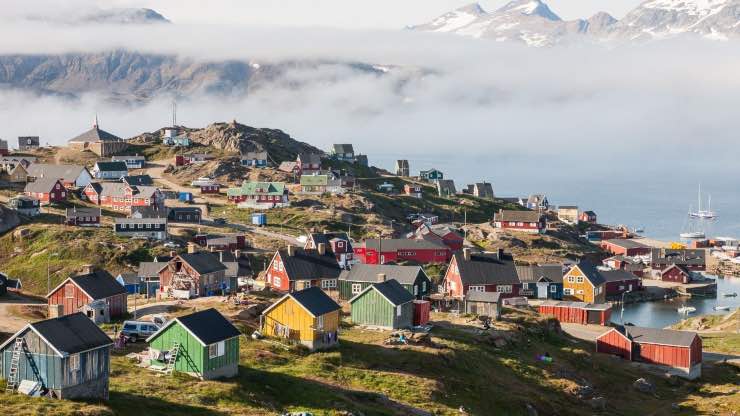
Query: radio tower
(174,113)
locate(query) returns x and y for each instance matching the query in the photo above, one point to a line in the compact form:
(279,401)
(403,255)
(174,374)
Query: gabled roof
(257,188)
(589,213)
(128,157)
(391,290)
(405,275)
(67,173)
(486,269)
(129,278)
(75,212)
(203,262)
(312,158)
(446,186)
(326,237)
(138,180)
(549,272)
(517,216)
(308,264)
(476,296)
(313,300)
(68,334)
(626,243)
(151,268)
(314,180)
(657,336)
(254,156)
(41,185)
(343,148)
(394,244)
(95,134)
(97,285)
(111,166)
(402,163)
(617,275)
(207,326)
(149,212)
(591,272)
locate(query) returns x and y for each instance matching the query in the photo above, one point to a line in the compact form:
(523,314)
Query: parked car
(171,244)
(219,221)
(136,330)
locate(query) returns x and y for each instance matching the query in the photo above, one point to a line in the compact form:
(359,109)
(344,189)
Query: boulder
(643,386)
(531,411)
(598,403)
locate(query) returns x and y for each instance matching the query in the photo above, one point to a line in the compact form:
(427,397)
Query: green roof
(314,180)
(257,188)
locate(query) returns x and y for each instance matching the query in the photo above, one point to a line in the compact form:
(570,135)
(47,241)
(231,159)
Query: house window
(571,279)
(424,286)
(416,290)
(275,265)
(480,288)
(579,279)
(452,286)
(568,291)
(328,284)
(276,281)
(553,289)
(216,350)
(503,288)
(320,322)
(356,288)
(399,309)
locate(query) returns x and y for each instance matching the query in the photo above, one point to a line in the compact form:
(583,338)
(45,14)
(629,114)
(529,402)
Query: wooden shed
(578,312)
(309,317)
(205,345)
(412,278)
(69,356)
(78,292)
(483,304)
(681,351)
(384,305)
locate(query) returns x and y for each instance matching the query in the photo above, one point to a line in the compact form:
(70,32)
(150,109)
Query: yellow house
(584,282)
(309,317)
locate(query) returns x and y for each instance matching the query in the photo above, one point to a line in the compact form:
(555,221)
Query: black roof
(308,264)
(112,166)
(325,238)
(203,262)
(617,275)
(393,291)
(138,180)
(591,272)
(75,212)
(99,284)
(315,300)
(486,269)
(209,326)
(71,334)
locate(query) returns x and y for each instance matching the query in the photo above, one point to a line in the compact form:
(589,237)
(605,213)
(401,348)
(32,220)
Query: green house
(208,345)
(384,305)
(412,278)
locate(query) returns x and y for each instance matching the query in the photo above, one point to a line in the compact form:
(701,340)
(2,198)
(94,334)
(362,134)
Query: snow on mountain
(535,24)
(121,16)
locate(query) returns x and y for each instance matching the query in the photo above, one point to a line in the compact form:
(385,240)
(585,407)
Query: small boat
(731,295)
(639,230)
(721,308)
(705,214)
(693,234)
(686,309)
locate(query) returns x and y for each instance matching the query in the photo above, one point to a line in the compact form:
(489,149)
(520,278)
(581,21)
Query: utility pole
(621,314)
(465,227)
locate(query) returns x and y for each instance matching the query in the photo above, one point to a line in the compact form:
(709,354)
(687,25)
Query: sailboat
(706,214)
(693,232)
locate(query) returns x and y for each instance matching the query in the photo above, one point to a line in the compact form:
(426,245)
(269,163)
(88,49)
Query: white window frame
(320,322)
(567,291)
(579,279)
(356,288)
(504,288)
(553,289)
(399,310)
(476,288)
(217,350)
(328,283)
(276,280)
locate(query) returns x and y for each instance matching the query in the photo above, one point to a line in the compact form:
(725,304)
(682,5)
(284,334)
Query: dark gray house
(154,228)
(69,356)
(28,143)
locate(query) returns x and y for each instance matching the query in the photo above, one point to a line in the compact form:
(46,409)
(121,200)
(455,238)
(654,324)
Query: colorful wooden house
(676,273)
(480,272)
(205,345)
(294,268)
(68,355)
(439,233)
(83,216)
(625,247)
(254,159)
(309,317)
(47,190)
(691,259)
(679,351)
(585,283)
(381,251)
(121,196)
(132,162)
(541,282)
(110,170)
(384,304)
(620,281)
(357,279)
(413,190)
(26,205)
(259,194)
(337,243)
(431,175)
(589,217)
(194,274)
(308,163)
(77,293)
(531,222)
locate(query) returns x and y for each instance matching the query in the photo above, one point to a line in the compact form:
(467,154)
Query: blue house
(132,162)
(431,175)
(254,159)
(131,282)
(541,282)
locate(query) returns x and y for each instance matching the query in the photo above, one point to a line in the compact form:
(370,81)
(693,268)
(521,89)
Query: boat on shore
(721,308)
(730,295)
(686,309)
(693,235)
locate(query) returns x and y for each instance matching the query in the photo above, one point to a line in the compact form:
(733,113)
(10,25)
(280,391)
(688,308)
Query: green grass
(459,368)
(724,342)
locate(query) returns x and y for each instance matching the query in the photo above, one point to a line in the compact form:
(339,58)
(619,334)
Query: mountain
(532,22)
(128,76)
(102,16)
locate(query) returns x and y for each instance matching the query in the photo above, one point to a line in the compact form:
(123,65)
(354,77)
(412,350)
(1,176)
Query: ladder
(12,382)
(174,352)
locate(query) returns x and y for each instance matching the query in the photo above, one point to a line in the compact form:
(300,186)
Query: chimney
(87,269)
(291,250)
(381,277)
(466,254)
(321,249)
(192,248)
(173,253)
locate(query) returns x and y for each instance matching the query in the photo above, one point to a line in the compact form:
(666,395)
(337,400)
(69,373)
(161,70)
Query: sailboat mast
(699,198)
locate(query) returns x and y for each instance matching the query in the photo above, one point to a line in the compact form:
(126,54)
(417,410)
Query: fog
(526,119)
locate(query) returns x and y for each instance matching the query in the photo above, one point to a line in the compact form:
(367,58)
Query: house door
(593,317)
(473,308)
(542,290)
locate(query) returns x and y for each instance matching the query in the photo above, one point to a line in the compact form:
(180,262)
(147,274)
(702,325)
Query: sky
(376,14)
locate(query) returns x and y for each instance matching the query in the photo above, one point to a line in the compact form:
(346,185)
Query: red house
(308,163)
(292,269)
(481,272)
(690,259)
(531,222)
(337,243)
(221,243)
(46,190)
(412,190)
(83,217)
(78,291)
(620,281)
(679,350)
(382,251)
(577,312)
(211,188)
(588,217)
(440,234)
(676,273)
(635,267)
(625,247)
(121,197)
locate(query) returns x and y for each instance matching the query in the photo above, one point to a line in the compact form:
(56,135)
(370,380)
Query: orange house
(584,283)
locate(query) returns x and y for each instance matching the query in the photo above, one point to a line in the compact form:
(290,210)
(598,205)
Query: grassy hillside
(27,257)
(457,367)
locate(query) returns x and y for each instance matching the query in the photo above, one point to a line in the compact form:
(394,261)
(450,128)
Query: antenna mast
(174,113)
